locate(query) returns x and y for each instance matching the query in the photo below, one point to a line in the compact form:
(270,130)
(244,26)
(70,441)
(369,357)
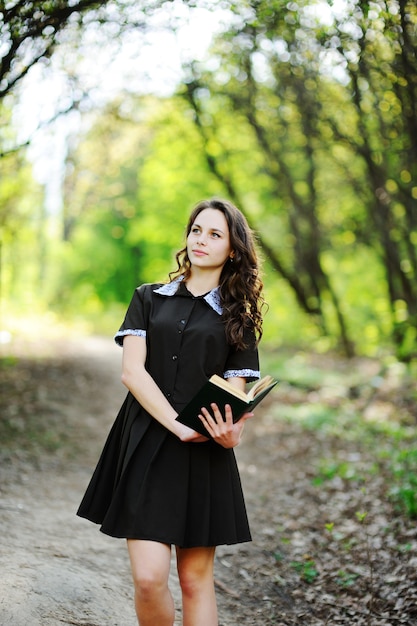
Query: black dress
(148,484)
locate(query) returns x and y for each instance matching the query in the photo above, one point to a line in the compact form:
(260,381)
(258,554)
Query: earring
(231,259)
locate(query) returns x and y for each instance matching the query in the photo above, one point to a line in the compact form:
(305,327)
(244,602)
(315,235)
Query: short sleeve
(137,315)
(243,363)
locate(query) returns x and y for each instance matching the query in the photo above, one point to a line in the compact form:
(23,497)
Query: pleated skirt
(150,485)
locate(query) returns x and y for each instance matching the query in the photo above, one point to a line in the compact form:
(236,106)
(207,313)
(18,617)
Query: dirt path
(58,569)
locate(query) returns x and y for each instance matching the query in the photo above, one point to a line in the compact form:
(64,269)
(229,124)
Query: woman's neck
(200,283)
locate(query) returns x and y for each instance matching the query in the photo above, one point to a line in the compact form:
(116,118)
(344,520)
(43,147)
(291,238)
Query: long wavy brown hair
(240,282)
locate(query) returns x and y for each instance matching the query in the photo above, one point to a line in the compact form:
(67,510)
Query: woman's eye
(215,235)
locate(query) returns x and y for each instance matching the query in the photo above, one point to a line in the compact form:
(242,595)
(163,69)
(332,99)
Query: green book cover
(218,390)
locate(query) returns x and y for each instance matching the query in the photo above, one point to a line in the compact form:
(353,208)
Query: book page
(259,386)
(223,384)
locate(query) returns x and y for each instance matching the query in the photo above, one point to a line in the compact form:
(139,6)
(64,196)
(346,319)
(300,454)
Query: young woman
(158,483)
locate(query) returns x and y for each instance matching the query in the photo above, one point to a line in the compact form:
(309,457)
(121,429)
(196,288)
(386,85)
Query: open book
(218,390)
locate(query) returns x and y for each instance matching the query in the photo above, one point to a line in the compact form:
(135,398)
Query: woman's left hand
(223,431)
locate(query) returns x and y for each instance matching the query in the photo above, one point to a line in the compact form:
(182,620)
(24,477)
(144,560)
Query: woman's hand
(224,432)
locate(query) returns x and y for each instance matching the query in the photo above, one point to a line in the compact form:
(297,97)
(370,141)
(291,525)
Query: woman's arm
(143,387)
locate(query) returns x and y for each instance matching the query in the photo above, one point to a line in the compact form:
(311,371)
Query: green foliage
(398,468)
(361,516)
(22,227)
(336,401)
(303,117)
(404,474)
(325,119)
(306,569)
(329,469)
(7,362)
(278,556)
(346,579)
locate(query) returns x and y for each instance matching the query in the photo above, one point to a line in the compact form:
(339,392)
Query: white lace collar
(212,297)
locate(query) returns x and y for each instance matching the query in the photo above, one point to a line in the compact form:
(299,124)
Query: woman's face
(208,243)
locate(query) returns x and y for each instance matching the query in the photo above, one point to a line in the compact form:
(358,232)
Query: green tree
(130,183)
(273,77)
(100,201)
(377,44)
(31,34)
(331,108)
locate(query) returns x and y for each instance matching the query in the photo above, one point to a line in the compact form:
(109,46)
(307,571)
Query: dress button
(174,358)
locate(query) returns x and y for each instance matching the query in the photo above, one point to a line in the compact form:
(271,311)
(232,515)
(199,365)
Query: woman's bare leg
(150,562)
(196,576)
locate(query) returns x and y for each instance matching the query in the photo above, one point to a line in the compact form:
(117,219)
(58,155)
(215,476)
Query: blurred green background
(303,114)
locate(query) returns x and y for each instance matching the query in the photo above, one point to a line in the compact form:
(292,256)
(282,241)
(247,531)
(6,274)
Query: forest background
(116,117)
(304,114)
